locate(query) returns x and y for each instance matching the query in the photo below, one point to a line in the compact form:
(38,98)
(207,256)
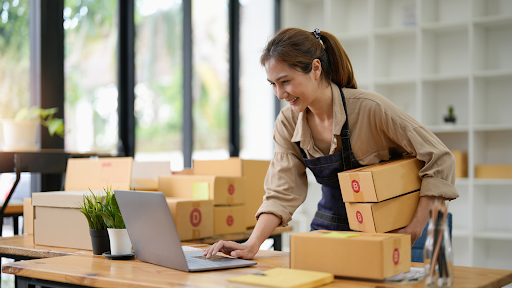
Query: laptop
(154,236)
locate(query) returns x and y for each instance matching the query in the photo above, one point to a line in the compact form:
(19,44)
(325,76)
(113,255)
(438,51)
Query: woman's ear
(316,68)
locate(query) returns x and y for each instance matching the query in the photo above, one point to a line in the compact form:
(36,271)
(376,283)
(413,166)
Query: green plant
(92,207)
(111,213)
(54,125)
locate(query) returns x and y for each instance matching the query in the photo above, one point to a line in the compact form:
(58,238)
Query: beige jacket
(378,131)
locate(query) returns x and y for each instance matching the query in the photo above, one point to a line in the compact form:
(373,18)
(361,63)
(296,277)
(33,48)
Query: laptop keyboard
(195,263)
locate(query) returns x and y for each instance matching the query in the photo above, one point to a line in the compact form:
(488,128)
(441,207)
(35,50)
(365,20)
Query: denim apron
(331,213)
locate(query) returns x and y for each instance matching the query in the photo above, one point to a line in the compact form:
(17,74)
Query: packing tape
(196,204)
(196,233)
(355,184)
(230,199)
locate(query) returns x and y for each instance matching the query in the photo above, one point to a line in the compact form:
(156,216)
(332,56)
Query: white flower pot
(20,135)
(120,243)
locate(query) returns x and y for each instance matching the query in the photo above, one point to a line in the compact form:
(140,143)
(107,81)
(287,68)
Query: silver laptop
(154,236)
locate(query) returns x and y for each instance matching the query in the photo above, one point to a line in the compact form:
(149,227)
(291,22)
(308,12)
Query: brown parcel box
(365,255)
(28,216)
(56,223)
(193,218)
(381,181)
(223,190)
(461,163)
(253,173)
(98,173)
(384,216)
(493,171)
(229,219)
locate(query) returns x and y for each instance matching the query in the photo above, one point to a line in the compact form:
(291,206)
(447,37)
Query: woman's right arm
(264,227)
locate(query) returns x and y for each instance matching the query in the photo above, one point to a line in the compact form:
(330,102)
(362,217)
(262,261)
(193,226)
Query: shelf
(484,181)
(448,128)
(492,127)
(444,77)
(395,81)
(493,234)
(445,27)
(493,73)
(352,37)
(396,31)
(461,181)
(493,21)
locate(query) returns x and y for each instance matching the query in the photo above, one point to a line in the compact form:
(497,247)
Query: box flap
(63,199)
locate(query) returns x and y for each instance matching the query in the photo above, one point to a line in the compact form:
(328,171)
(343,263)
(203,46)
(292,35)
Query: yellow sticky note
(340,235)
(200,191)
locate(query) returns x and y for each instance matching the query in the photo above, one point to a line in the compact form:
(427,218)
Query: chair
(417,248)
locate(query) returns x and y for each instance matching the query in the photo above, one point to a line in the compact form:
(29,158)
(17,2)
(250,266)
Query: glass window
(14,57)
(159,81)
(256,95)
(90,75)
(210,79)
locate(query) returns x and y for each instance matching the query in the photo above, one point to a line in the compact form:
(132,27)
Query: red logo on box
(231,189)
(230,220)
(396,256)
(359,217)
(106,164)
(195,217)
(355,186)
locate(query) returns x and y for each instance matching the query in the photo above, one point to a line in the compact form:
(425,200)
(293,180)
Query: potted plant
(120,243)
(91,207)
(20,133)
(450,118)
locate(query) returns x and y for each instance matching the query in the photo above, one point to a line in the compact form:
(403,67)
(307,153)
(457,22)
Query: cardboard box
(229,219)
(383,216)
(222,190)
(381,181)
(461,163)
(351,254)
(145,174)
(28,216)
(252,171)
(57,223)
(493,171)
(98,173)
(193,218)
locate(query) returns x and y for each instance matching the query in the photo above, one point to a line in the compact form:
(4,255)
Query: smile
(293,100)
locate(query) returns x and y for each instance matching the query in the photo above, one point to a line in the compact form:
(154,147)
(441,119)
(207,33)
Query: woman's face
(296,88)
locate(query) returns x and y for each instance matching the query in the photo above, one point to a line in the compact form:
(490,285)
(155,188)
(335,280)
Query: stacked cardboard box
(145,174)
(227,194)
(252,172)
(193,218)
(381,197)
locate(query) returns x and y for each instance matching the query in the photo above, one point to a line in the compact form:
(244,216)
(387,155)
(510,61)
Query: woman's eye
(272,84)
(285,81)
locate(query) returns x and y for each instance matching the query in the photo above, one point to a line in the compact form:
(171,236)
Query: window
(256,96)
(159,81)
(90,76)
(210,79)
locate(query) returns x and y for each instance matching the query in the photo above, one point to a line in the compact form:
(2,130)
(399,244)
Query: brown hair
(298,48)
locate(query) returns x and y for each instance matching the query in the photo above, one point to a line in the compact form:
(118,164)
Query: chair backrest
(417,248)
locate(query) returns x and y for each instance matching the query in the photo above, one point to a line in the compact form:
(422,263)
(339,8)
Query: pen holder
(438,256)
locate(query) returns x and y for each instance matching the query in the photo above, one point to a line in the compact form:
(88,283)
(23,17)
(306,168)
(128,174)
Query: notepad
(282,277)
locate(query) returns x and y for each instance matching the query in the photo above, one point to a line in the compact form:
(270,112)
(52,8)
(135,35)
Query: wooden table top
(96,271)
(23,245)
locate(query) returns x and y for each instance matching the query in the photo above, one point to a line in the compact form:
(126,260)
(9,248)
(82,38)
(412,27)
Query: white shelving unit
(426,55)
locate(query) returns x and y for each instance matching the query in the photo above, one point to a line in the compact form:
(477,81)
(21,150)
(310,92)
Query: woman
(312,72)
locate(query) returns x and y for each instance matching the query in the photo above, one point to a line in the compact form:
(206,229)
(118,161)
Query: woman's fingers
(229,248)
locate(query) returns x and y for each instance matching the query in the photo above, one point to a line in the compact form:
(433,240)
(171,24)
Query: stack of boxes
(233,186)
(382,197)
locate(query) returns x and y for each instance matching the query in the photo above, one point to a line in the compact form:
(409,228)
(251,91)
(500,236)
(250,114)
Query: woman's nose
(280,93)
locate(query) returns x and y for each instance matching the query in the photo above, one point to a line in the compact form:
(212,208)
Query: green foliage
(54,125)
(111,213)
(92,207)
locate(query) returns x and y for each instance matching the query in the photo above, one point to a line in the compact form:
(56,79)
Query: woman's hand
(419,220)
(244,251)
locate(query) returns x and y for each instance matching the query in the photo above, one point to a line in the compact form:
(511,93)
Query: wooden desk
(22,247)
(96,271)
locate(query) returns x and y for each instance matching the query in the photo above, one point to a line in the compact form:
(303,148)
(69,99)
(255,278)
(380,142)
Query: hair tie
(316,32)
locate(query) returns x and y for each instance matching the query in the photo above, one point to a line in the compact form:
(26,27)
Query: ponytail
(298,48)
